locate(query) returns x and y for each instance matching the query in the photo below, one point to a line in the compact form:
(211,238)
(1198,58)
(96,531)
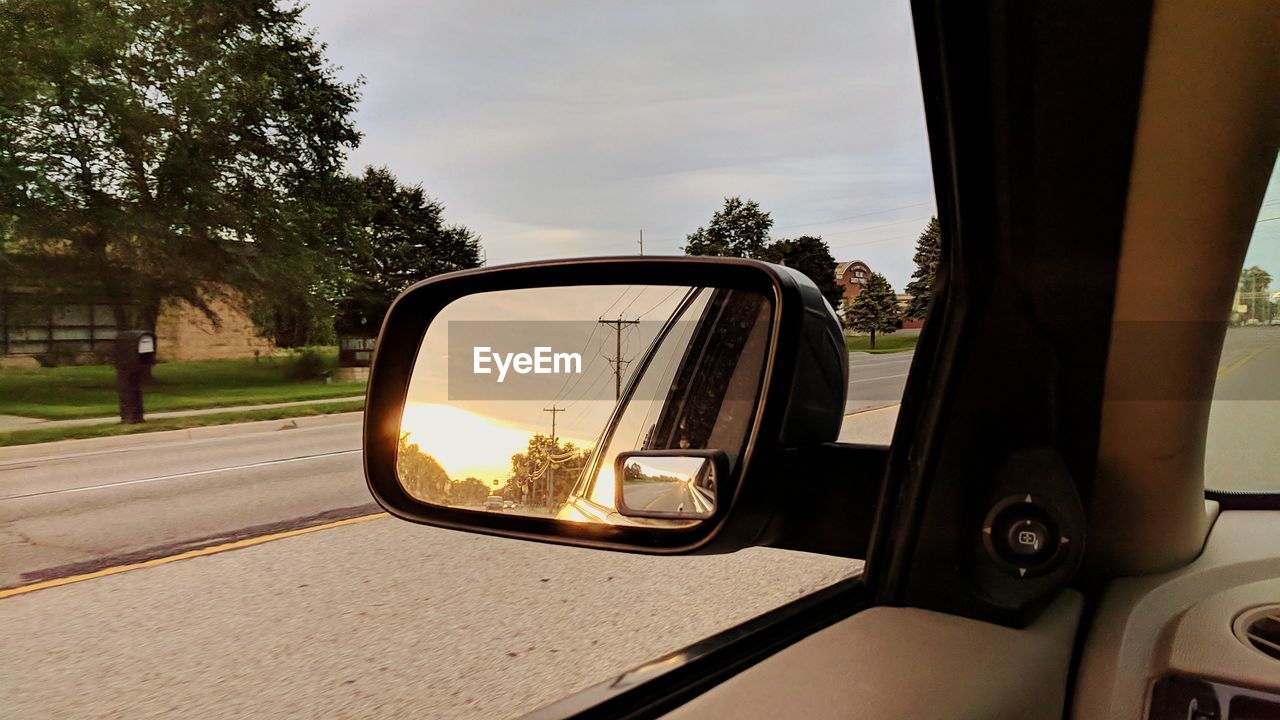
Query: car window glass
(246,191)
(1242,449)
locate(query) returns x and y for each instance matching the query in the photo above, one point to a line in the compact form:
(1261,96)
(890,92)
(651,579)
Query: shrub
(308,365)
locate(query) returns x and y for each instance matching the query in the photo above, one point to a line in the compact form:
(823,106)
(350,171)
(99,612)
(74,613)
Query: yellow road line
(1240,362)
(871,410)
(212,549)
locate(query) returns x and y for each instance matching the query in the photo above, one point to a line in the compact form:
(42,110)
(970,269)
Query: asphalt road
(876,381)
(1242,451)
(369,619)
(72,509)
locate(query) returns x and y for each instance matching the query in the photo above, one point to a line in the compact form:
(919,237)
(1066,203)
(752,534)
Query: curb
(63,448)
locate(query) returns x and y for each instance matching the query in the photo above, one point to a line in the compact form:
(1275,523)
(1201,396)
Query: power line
(551,469)
(618,362)
(564,386)
(663,300)
(853,217)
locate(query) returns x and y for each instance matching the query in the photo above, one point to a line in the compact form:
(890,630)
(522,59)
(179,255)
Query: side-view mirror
(642,404)
(669,484)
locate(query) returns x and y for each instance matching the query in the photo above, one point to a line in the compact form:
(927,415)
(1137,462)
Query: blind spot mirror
(679,485)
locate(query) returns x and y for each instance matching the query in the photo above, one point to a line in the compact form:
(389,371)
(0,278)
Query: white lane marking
(4,464)
(878,377)
(177,476)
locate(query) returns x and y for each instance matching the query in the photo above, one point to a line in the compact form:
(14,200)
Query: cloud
(563,128)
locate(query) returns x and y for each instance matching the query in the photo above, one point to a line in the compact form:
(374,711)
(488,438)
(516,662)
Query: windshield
(1242,449)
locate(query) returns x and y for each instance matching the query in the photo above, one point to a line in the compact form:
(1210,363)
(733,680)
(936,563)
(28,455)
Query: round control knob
(1022,537)
(1027,538)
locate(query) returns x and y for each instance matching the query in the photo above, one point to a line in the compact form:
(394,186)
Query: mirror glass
(522,400)
(667,486)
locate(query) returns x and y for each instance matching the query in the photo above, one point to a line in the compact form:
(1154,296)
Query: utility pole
(551,467)
(617,360)
(642,242)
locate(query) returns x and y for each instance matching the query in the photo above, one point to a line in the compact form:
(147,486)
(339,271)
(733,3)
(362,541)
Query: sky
(558,128)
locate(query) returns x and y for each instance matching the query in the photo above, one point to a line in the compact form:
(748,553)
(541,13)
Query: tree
(739,229)
(927,257)
(529,469)
(399,238)
(471,491)
(421,474)
(1255,284)
(875,310)
(156,151)
(811,256)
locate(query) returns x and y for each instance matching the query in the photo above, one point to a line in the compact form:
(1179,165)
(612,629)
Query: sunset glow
(466,444)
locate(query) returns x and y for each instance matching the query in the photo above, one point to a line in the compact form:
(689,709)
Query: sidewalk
(16,422)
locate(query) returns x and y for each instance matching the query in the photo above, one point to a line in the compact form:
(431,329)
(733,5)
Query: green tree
(875,310)
(739,229)
(154,150)
(811,256)
(471,491)
(529,470)
(399,238)
(928,256)
(1255,285)
(420,474)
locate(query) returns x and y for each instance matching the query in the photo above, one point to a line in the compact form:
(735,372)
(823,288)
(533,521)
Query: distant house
(851,276)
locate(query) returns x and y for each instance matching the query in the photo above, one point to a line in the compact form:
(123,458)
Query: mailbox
(136,348)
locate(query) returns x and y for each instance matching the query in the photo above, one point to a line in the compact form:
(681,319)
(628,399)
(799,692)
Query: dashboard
(1192,644)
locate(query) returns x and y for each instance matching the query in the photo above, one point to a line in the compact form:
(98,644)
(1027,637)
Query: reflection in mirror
(666,486)
(521,401)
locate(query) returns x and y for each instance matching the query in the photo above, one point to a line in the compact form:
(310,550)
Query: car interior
(1038,537)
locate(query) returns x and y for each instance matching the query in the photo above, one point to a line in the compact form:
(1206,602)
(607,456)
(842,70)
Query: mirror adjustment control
(1023,537)
(1027,537)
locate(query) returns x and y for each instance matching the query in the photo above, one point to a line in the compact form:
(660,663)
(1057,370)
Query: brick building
(851,276)
(85,333)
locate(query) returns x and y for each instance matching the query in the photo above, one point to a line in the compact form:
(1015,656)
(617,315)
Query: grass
(89,390)
(42,435)
(884,343)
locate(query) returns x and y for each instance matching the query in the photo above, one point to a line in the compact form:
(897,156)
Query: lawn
(89,390)
(40,435)
(884,343)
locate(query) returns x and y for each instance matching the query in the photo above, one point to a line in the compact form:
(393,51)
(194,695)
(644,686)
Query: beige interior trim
(1145,627)
(893,663)
(1206,141)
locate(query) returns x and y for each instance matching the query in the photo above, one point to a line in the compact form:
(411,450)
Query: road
(1242,450)
(70,511)
(371,618)
(667,497)
(876,381)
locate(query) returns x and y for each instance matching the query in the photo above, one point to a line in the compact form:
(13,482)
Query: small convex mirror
(524,401)
(679,484)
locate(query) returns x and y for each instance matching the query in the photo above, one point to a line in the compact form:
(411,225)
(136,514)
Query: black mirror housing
(801,401)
